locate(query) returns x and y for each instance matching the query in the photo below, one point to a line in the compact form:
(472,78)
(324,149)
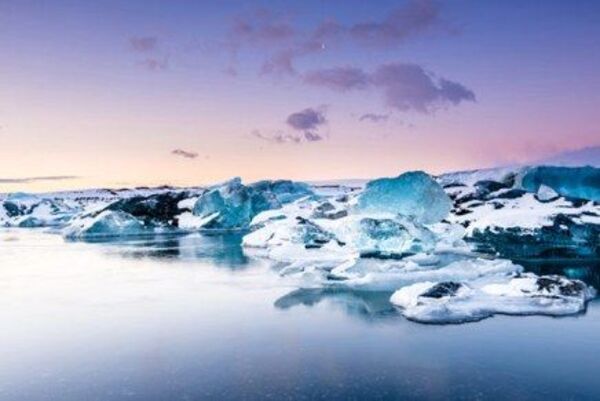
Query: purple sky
(114,93)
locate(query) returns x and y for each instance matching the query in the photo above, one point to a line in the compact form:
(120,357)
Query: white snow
(475,301)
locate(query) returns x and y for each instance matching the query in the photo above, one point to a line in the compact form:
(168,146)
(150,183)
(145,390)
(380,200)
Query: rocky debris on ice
(228,206)
(524,215)
(137,215)
(29,211)
(459,302)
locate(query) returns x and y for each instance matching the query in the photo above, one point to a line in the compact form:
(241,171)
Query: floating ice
(414,194)
(458,302)
(574,182)
(234,205)
(105,224)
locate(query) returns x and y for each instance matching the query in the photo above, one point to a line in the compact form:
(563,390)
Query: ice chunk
(385,238)
(285,191)
(19,203)
(414,194)
(546,194)
(574,182)
(458,302)
(105,224)
(237,204)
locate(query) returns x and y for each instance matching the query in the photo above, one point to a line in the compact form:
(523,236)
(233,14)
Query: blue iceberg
(105,224)
(414,194)
(573,182)
(233,205)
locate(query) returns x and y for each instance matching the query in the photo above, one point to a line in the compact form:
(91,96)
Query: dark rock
(511,194)
(563,239)
(440,290)
(159,209)
(385,255)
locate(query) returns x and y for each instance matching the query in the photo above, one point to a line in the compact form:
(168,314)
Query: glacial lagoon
(194,318)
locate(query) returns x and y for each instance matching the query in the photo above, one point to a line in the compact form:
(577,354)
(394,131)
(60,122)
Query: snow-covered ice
(459,302)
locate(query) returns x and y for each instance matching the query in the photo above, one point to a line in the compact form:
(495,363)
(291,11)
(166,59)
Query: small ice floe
(460,301)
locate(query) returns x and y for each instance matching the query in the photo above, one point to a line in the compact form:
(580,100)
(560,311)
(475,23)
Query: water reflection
(584,270)
(370,305)
(222,249)
(364,304)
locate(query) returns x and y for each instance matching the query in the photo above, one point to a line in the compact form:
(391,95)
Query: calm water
(192,318)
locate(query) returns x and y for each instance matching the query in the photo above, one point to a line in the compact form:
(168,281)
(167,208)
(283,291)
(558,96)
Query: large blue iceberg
(414,194)
(573,182)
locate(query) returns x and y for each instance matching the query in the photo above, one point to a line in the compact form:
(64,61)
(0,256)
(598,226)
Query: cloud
(277,137)
(404,86)
(308,121)
(339,79)
(413,18)
(284,43)
(29,180)
(155,64)
(143,43)
(260,27)
(306,126)
(375,118)
(410,87)
(184,153)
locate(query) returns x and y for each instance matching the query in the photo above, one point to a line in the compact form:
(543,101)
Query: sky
(130,93)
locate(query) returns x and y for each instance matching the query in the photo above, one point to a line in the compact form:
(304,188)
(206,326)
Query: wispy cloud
(414,18)
(283,43)
(404,86)
(373,117)
(184,153)
(154,58)
(155,64)
(143,43)
(340,79)
(29,180)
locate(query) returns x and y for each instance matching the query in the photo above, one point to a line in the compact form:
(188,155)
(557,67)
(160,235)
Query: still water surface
(192,318)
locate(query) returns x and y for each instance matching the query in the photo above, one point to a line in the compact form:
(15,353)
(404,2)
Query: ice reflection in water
(157,319)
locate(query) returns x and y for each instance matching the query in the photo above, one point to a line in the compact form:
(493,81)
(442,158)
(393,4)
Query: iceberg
(459,302)
(385,238)
(414,194)
(105,224)
(234,205)
(30,211)
(573,182)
